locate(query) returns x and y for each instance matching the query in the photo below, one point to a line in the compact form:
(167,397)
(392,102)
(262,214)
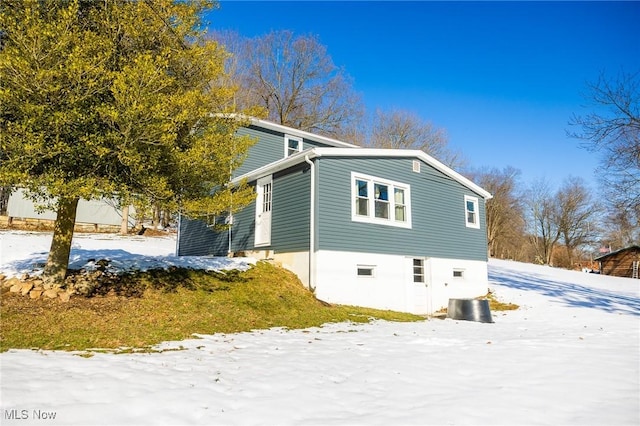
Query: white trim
(476,212)
(370,218)
(262,234)
(312,226)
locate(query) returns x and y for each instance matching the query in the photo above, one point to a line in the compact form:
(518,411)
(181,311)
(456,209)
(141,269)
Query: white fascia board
(361,153)
(277,166)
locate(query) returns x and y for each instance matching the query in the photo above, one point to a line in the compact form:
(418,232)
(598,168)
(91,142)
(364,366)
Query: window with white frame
(292,145)
(381,201)
(471,215)
(365,271)
(418,270)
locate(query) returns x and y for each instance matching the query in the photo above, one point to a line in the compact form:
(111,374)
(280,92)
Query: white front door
(263,211)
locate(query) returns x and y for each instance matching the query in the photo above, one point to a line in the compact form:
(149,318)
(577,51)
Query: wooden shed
(621,263)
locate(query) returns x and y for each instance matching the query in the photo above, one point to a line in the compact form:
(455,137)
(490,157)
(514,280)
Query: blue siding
(197,239)
(437,208)
(289,225)
(268,148)
(291,204)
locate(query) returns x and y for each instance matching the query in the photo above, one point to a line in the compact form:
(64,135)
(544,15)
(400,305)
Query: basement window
(366,271)
(458,273)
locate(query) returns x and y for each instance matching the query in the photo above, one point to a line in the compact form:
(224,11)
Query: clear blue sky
(503,78)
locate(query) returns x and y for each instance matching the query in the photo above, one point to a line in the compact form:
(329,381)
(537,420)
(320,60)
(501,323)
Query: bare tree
(575,212)
(621,230)
(295,80)
(613,130)
(542,215)
(401,129)
(504,212)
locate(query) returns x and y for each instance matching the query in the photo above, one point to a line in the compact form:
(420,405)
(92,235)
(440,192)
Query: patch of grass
(164,306)
(497,305)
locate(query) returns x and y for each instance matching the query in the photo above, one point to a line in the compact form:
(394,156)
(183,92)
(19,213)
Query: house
(381,228)
(621,263)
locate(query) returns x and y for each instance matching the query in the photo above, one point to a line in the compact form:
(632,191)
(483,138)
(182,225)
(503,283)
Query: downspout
(312,225)
(178,234)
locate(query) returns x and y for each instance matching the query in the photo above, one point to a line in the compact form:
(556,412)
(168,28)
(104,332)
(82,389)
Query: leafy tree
(612,129)
(401,129)
(295,80)
(114,99)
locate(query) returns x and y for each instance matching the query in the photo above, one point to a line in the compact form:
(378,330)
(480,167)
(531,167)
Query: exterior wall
(268,148)
(289,225)
(620,263)
(195,238)
(291,214)
(296,262)
(392,287)
(437,209)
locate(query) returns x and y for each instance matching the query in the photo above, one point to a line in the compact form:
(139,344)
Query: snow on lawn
(26,252)
(569,356)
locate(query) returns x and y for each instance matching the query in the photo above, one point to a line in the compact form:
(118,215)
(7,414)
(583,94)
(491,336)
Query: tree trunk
(55,270)
(156,216)
(124,225)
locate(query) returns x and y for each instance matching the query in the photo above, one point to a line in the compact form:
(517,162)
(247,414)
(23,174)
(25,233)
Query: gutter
(312,225)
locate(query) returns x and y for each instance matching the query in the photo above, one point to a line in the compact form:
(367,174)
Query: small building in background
(621,263)
(103,214)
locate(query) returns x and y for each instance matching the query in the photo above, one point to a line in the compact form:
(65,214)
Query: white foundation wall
(392,286)
(297,262)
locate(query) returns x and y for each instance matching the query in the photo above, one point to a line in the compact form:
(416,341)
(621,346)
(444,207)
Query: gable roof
(311,153)
(339,150)
(613,253)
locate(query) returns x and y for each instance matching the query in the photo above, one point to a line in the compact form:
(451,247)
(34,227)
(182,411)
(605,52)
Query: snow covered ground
(569,356)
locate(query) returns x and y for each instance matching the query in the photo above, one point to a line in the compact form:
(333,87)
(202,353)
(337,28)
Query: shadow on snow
(571,294)
(125,261)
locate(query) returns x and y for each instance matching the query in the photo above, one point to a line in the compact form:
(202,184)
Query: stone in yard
(11,282)
(26,288)
(51,293)
(64,296)
(35,294)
